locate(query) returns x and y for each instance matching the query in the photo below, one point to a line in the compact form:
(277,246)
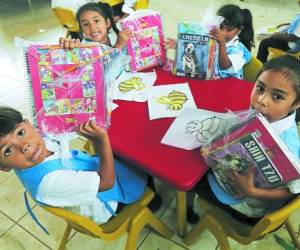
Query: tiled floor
(17,230)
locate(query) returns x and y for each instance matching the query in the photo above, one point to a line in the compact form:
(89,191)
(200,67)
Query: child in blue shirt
(90,185)
(234,38)
(276,95)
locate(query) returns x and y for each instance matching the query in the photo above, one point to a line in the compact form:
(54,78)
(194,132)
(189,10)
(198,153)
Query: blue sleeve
(291,139)
(294,27)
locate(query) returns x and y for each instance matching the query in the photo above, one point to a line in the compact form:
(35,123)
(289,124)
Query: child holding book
(281,40)
(95,21)
(92,186)
(235,39)
(276,95)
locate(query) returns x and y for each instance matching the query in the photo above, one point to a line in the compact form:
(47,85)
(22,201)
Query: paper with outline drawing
(169,100)
(196,127)
(134,86)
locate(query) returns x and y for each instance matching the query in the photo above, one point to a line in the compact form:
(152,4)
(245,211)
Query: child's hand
(217,35)
(170,43)
(69,43)
(244,183)
(123,37)
(92,131)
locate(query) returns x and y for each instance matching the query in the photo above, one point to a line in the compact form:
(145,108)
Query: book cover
(195,52)
(146,46)
(66,87)
(253,143)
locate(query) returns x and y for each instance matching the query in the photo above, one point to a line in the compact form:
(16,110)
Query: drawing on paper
(174,100)
(205,129)
(133,83)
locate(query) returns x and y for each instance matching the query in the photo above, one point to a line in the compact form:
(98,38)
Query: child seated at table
(234,38)
(276,95)
(93,186)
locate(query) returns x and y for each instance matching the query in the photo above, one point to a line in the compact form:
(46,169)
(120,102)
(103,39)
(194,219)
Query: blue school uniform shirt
(129,183)
(294,27)
(239,55)
(287,130)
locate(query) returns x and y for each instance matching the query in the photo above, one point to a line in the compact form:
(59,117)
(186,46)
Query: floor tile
(12,198)
(5,224)
(18,239)
(53,224)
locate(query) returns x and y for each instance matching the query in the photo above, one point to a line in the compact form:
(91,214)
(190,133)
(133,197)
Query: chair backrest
(251,69)
(273,53)
(274,220)
(66,18)
(108,231)
(244,233)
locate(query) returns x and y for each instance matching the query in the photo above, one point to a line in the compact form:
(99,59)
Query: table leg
(181,213)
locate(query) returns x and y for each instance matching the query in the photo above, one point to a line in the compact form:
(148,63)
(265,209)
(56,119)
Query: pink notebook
(253,143)
(66,87)
(146,47)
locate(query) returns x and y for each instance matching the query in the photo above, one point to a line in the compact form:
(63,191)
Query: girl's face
(95,26)
(273,95)
(22,148)
(229,32)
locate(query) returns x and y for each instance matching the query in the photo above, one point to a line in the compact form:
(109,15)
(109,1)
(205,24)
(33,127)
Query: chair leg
(65,237)
(137,224)
(291,232)
(209,223)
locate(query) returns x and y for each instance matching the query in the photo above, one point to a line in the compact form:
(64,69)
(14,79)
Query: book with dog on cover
(252,143)
(146,47)
(66,87)
(195,53)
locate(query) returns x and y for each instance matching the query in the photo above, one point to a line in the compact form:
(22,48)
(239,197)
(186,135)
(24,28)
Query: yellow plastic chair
(67,19)
(222,225)
(132,219)
(251,69)
(140,4)
(273,53)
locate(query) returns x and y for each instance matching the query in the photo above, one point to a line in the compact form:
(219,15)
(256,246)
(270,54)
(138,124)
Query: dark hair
(9,119)
(103,9)
(290,68)
(239,18)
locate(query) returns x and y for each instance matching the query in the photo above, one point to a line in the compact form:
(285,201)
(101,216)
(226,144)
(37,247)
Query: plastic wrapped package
(196,52)
(252,143)
(146,46)
(67,87)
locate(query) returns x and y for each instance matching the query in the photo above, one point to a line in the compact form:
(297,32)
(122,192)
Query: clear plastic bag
(146,47)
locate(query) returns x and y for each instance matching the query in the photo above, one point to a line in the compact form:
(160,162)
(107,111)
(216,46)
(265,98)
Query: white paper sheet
(169,100)
(134,86)
(196,127)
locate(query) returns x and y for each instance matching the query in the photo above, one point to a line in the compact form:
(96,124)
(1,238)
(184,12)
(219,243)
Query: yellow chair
(222,225)
(251,69)
(273,53)
(132,219)
(67,19)
(140,4)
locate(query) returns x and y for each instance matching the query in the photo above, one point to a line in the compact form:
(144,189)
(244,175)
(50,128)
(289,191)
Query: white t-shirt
(73,190)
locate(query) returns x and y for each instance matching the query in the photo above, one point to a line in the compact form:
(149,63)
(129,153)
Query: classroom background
(34,20)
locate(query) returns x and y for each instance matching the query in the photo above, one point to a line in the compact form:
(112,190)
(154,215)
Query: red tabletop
(137,139)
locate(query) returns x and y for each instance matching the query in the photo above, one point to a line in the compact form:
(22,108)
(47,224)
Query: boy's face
(22,148)
(273,95)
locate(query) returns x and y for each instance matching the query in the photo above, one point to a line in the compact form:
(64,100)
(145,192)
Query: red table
(137,139)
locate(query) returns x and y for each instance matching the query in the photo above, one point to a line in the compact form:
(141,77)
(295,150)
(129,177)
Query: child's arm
(245,184)
(170,43)
(123,37)
(224,61)
(100,139)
